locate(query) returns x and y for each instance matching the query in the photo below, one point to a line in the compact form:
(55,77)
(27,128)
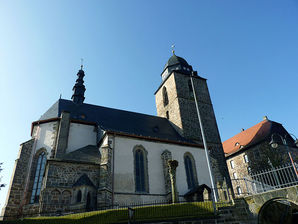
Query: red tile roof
(247,137)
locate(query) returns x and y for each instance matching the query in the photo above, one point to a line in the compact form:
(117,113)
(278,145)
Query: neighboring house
(85,157)
(251,151)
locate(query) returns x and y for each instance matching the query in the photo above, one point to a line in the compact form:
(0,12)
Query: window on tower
(165,96)
(41,162)
(190,90)
(167,115)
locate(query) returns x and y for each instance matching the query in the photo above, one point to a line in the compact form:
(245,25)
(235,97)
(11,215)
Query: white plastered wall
(45,136)
(124,186)
(80,135)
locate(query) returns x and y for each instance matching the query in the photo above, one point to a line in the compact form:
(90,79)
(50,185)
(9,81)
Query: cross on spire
(173,48)
(82,60)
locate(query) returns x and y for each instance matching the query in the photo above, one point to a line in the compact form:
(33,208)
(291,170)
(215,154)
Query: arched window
(141,173)
(190,89)
(40,167)
(165,96)
(190,169)
(79,196)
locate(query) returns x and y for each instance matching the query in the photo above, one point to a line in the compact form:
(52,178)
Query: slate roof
(254,135)
(119,121)
(89,153)
(84,180)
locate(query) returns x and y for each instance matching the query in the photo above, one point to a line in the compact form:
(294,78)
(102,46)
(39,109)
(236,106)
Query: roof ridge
(111,108)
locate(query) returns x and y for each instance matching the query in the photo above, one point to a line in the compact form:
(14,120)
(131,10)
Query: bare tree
(1,184)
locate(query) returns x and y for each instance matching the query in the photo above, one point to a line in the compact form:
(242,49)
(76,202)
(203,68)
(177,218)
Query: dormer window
(165,96)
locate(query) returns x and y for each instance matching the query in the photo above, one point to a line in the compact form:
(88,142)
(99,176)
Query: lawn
(144,213)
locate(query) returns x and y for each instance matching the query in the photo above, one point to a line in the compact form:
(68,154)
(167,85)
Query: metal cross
(173,48)
(82,60)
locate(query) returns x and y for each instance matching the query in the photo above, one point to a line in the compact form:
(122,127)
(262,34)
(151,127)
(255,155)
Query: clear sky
(248,51)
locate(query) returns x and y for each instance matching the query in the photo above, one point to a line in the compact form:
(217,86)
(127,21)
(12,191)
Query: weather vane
(82,60)
(173,48)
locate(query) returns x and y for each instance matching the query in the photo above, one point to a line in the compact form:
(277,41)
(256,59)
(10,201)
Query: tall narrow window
(165,96)
(41,162)
(190,89)
(141,175)
(167,115)
(190,171)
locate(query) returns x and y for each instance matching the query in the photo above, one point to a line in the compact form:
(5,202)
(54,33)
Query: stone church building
(84,157)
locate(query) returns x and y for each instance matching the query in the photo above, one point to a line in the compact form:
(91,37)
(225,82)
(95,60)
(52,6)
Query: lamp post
(203,137)
(274,145)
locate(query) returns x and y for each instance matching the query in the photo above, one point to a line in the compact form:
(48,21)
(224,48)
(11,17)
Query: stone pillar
(165,157)
(104,192)
(16,196)
(172,170)
(62,138)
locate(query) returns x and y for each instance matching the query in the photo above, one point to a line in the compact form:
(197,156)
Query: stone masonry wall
(57,191)
(258,160)
(183,116)
(16,192)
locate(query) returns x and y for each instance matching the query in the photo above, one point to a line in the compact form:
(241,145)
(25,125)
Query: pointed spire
(79,88)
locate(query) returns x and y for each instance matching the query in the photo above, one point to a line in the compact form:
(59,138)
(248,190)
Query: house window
(165,96)
(239,192)
(190,169)
(235,175)
(41,162)
(232,164)
(79,196)
(141,171)
(190,90)
(245,158)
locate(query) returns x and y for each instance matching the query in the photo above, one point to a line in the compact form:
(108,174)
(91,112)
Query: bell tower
(175,101)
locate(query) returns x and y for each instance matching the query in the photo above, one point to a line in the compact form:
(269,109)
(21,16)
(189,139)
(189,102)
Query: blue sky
(247,50)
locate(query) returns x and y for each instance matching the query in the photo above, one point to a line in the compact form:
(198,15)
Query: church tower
(175,101)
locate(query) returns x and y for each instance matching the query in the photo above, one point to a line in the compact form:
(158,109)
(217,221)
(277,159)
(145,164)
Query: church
(84,157)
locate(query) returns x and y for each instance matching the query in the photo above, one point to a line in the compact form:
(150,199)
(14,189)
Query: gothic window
(141,171)
(190,169)
(41,162)
(165,96)
(190,89)
(79,196)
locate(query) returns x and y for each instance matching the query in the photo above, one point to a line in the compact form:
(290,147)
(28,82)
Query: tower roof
(176,63)
(79,88)
(174,60)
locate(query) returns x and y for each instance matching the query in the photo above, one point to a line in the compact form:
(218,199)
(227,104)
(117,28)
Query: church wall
(16,193)
(46,135)
(80,135)
(124,185)
(59,179)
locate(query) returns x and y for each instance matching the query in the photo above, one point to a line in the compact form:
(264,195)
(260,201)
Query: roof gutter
(150,139)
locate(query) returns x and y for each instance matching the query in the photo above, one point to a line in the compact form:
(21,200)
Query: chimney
(265,118)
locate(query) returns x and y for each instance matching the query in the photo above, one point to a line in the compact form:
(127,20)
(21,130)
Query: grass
(141,214)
